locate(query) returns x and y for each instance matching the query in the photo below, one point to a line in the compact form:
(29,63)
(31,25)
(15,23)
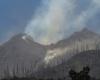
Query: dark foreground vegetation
(82,75)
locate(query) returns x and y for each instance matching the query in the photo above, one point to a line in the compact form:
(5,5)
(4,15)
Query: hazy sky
(47,21)
(14,15)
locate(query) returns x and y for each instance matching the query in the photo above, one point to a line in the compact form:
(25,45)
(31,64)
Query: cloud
(57,19)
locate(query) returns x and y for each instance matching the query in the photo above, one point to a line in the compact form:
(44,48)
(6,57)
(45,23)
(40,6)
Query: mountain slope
(80,41)
(77,62)
(80,36)
(20,55)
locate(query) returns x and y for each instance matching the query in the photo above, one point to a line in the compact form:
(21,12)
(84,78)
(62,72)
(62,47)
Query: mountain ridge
(18,53)
(88,58)
(22,52)
(67,48)
(84,33)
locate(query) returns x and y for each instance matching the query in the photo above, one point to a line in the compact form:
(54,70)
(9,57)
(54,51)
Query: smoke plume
(58,19)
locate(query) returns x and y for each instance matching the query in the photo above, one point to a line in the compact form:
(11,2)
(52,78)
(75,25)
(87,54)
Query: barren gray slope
(77,62)
(20,55)
(80,41)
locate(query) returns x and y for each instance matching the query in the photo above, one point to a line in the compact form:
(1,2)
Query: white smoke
(57,19)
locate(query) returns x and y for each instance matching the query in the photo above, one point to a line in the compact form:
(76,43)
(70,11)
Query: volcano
(22,56)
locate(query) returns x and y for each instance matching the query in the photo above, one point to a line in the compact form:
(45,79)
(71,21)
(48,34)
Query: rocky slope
(88,58)
(20,56)
(80,41)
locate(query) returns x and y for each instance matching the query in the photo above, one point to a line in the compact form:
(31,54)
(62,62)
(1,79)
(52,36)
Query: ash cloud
(58,19)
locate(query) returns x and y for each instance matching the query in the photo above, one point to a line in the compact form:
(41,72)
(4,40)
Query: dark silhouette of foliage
(73,74)
(82,75)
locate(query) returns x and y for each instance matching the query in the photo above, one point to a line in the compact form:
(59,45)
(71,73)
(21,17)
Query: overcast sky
(47,19)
